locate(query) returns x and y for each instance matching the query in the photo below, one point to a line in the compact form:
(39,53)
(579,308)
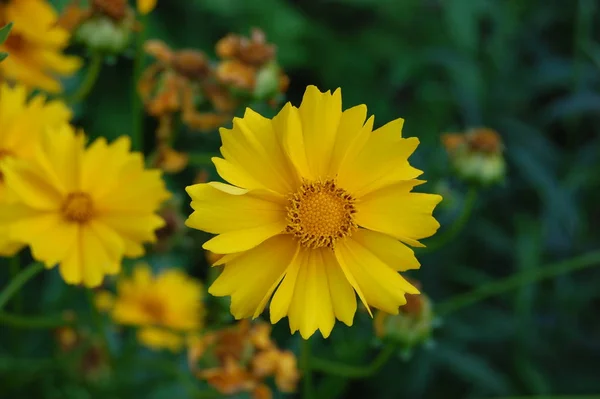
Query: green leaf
(5,31)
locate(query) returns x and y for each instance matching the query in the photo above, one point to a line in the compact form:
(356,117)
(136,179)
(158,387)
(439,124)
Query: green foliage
(529,69)
(4,31)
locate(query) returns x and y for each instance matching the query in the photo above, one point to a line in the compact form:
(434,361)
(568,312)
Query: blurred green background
(529,69)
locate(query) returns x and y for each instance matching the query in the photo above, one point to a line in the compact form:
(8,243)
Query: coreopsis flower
(81,208)
(35,45)
(319,207)
(166,307)
(476,155)
(22,121)
(239,358)
(146,6)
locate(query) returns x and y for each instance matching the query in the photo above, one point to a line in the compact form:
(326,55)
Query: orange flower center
(78,207)
(320,213)
(154,308)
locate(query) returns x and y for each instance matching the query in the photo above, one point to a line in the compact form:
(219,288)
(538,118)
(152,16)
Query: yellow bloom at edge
(165,306)
(21,123)
(83,209)
(319,207)
(146,6)
(35,45)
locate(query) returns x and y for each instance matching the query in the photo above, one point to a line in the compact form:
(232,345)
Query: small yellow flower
(22,121)
(165,306)
(320,207)
(35,45)
(84,209)
(146,6)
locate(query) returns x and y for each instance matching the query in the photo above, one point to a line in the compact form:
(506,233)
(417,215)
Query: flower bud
(105,35)
(476,155)
(411,326)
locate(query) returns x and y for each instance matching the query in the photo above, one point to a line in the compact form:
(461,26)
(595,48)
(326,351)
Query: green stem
(18,281)
(459,223)
(307,392)
(14,267)
(33,322)
(346,370)
(89,81)
(137,109)
(517,280)
(200,159)
(98,321)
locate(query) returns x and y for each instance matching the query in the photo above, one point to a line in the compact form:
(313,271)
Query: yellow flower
(165,306)
(146,6)
(84,209)
(35,45)
(320,207)
(22,122)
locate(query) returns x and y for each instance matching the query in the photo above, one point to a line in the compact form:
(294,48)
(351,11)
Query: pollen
(320,213)
(78,207)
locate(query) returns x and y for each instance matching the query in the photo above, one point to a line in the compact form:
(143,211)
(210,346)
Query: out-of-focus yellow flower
(476,155)
(35,45)
(22,122)
(319,208)
(83,209)
(146,6)
(165,307)
(239,358)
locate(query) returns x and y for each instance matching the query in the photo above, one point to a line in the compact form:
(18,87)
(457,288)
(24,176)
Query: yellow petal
(349,130)
(251,147)
(391,251)
(320,115)
(381,286)
(10,213)
(280,303)
(217,211)
(25,182)
(288,126)
(52,245)
(95,259)
(306,295)
(133,230)
(343,297)
(250,276)
(242,240)
(112,244)
(396,211)
(382,161)
(70,267)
